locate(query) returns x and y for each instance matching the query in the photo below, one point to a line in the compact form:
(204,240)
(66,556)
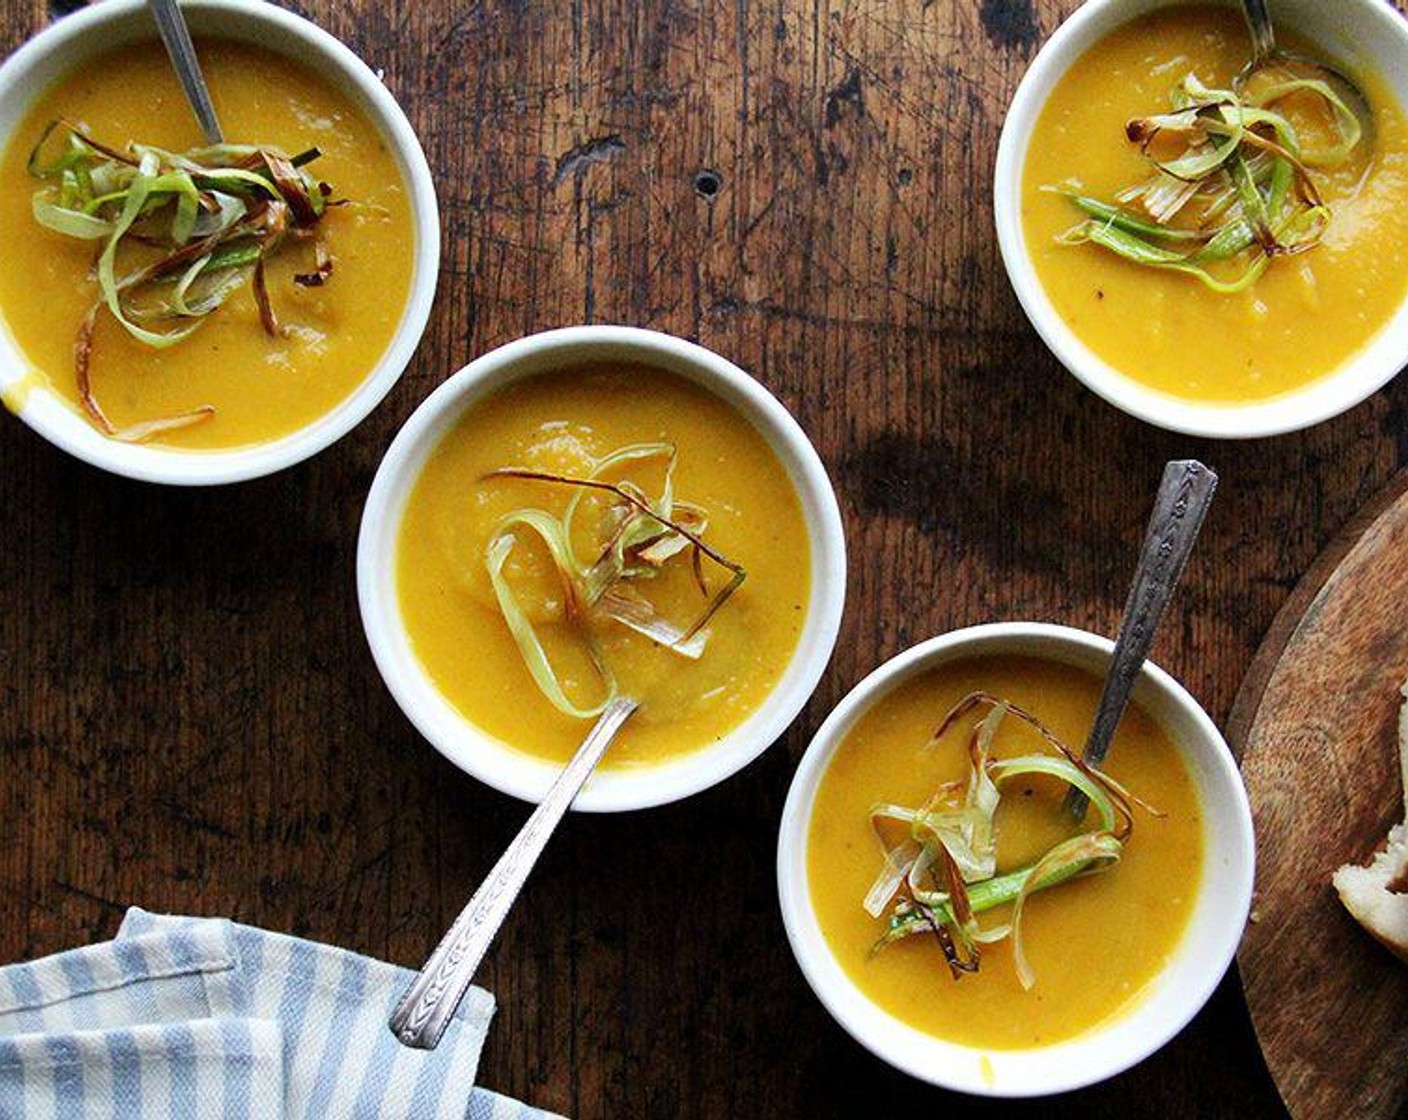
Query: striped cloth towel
(190,1017)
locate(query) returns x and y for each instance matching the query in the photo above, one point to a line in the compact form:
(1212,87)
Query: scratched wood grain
(189,717)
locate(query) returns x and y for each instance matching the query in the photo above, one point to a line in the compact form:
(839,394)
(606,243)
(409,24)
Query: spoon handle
(177,38)
(1182,502)
(1262,33)
(423,1013)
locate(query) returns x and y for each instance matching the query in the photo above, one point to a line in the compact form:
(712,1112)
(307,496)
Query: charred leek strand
(1238,177)
(636,538)
(180,234)
(941,876)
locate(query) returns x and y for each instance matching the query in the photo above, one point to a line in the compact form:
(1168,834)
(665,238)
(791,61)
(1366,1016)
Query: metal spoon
(176,37)
(1266,53)
(1185,492)
(1262,32)
(423,1013)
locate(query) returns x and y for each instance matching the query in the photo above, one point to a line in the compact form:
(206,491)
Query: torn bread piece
(1377,895)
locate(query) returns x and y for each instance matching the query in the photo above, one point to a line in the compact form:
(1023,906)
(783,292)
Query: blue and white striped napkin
(191,1017)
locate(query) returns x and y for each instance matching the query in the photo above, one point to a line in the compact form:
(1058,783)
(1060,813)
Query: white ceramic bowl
(64,46)
(1214,927)
(486,757)
(1362,35)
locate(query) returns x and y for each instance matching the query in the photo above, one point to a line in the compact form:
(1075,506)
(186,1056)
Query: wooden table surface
(189,716)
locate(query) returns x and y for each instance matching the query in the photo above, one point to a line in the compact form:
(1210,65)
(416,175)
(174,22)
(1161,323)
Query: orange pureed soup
(1303,318)
(1094,943)
(261,387)
(568,423)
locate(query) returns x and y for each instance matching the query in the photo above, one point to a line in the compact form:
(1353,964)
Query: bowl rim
(287,33)
(1362,374)
(499,765)
(1070,1064)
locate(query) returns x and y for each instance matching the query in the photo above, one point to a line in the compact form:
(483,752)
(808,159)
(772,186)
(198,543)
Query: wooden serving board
(1315,725)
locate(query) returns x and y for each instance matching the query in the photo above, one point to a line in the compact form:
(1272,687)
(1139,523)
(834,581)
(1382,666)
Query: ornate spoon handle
(1182,502)
(423,1013)
(176,36)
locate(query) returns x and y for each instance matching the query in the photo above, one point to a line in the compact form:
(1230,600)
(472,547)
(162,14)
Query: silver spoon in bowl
(425,1010)
(1185,492)
(176,37)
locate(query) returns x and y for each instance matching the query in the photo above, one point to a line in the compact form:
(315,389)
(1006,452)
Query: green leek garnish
(943,874)
(637,536)
(1238,172)
(180,232)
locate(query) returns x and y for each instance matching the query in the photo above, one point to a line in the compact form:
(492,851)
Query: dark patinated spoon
(1185,493)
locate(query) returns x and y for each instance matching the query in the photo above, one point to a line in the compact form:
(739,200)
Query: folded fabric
(147,1027)
(160,977)
(231,1068)
(221,1008)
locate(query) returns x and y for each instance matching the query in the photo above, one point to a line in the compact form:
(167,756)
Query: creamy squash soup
(1216,238)
(955,886)
(601,531)
(192,296)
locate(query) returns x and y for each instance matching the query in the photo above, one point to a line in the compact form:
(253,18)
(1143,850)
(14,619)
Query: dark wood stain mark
(1010,24)
(1009,520)
(848,93)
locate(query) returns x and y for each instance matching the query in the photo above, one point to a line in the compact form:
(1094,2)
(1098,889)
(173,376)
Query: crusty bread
(1377,895)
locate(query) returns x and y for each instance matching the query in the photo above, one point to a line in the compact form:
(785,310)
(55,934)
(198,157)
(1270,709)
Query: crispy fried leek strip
(1090,851)
(1237,173)
(632,532)
(1139,250)
(643,508)
(1348,126)
(940,874)
(180,233)
(637,536)
(535,657)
